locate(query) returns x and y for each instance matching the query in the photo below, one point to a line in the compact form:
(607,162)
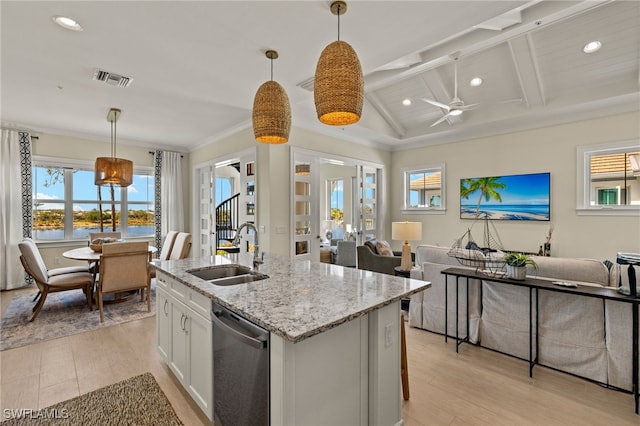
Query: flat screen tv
(513,197)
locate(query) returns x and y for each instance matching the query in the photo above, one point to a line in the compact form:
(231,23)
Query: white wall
(551,149)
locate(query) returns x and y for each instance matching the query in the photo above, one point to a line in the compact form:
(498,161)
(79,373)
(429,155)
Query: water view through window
(66,205)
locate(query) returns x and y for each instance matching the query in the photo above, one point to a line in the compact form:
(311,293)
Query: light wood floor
(474,387)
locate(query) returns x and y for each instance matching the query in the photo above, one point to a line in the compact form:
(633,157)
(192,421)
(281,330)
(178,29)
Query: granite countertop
(300,298)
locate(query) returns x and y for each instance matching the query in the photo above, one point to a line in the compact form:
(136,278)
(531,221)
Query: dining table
(89,255)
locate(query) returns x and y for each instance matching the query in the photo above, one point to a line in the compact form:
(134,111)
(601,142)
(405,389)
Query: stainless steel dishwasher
(240,370)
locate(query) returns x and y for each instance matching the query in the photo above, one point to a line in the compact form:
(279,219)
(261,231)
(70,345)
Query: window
(224,189)
(335,187)
(424,189)
(609,179)
(67,204)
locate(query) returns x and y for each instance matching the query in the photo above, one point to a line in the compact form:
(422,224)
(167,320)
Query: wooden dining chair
(94,266)
(123,267)
(54,280)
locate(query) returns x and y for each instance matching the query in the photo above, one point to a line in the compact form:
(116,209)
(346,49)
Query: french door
(310,206)
(305,208)
(367,203)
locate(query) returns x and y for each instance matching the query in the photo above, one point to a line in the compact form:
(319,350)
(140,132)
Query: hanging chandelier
(112,170)
(338,85)
(271,110)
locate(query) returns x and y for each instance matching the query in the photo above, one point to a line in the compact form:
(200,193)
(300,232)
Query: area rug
(64,314)
(136,401)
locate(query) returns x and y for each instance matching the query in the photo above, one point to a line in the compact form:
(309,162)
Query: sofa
(585,336)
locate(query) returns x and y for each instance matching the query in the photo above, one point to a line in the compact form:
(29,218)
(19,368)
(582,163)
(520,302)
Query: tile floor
(474,387)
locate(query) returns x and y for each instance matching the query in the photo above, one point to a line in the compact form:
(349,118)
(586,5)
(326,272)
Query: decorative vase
(517,272)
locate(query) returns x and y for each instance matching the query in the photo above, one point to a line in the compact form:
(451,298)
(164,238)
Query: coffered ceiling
(195,66)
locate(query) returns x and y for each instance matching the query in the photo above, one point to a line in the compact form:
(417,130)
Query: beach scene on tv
(515,197)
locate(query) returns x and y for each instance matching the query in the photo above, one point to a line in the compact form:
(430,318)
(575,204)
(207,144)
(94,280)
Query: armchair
(370,260)
(54,280)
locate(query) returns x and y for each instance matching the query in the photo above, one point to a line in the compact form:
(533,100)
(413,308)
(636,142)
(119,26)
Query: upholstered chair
(346,253)
(370,259)
(54,280)
(93,267)
(123,267)
(181,246)
(167,246)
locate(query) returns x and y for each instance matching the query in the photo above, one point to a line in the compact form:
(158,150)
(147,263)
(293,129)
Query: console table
(535,285)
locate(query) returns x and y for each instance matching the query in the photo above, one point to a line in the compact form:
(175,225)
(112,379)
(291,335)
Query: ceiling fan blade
(436,103)
(444,117)
(468,107)
(455,78)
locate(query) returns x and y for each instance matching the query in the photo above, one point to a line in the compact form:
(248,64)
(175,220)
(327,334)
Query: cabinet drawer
(178,291)
(199,303)
(163,281)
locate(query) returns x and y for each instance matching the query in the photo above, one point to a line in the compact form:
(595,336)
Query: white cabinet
(163,322)
(185,338)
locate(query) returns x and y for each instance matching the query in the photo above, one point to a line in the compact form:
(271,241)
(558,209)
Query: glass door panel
(306,243)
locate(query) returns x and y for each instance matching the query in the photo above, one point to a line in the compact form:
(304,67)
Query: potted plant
(517,265)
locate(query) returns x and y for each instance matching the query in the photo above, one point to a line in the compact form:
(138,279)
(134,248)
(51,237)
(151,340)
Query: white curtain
(11,272)
(171,203)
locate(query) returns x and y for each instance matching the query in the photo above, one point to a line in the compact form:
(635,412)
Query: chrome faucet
(257,257)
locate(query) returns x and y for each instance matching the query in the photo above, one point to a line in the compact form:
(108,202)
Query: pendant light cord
(339,22)
(113,139)
(271,59)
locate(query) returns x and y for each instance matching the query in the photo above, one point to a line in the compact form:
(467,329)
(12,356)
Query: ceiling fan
(456,106)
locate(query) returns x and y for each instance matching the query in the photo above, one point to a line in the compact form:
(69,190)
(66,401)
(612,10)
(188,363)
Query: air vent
(111,78)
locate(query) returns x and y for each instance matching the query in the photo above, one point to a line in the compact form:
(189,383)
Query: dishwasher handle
(220,321)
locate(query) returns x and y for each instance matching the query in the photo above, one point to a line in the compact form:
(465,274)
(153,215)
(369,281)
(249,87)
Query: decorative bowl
(96,245)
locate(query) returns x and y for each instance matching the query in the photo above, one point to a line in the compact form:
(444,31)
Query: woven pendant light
(338,85)
(112,170)
(271,110)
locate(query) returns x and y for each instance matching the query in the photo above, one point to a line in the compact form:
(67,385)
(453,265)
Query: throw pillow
(384,249)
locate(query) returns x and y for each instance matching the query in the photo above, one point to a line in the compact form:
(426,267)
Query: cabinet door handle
(186,329)
(182,322)
(166,302)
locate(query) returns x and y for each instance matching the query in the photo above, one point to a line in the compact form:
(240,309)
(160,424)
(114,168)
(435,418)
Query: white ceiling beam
(526,66)
(375,102)
(473,41)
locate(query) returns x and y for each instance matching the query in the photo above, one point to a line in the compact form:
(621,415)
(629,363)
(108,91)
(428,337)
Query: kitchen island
(334,352)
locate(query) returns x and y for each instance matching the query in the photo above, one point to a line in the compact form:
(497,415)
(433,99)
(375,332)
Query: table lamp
(406,231)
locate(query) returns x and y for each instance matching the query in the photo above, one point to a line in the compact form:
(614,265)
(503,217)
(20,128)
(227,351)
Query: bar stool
(404,369)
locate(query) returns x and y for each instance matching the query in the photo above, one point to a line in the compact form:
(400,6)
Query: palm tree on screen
(487,186)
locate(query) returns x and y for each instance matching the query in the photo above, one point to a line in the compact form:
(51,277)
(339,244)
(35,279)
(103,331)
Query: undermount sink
(225,275)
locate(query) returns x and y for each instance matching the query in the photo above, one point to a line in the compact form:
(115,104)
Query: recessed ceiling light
(475,82)
(67,23)
(406,102)
(592,46)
